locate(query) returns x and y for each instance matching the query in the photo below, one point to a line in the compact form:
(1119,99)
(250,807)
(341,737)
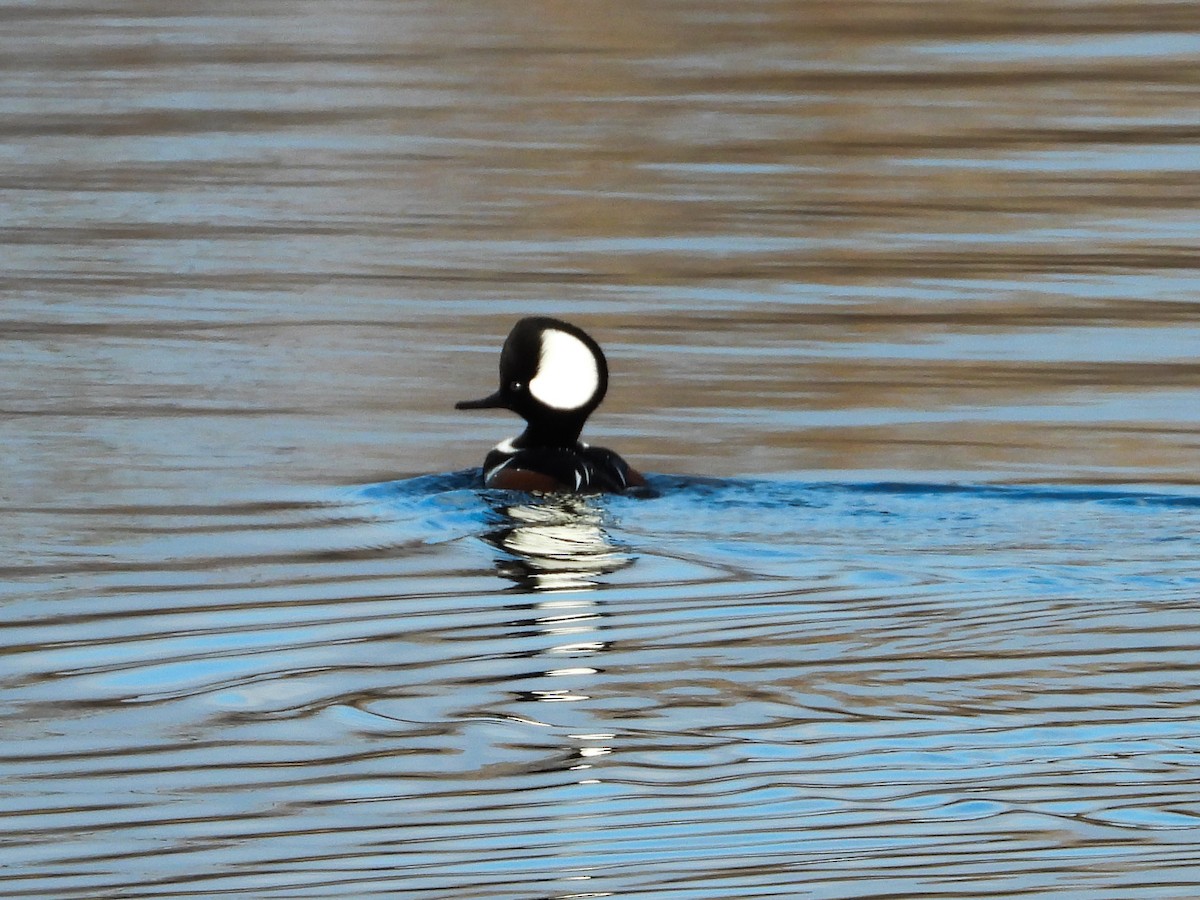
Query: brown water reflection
(784,206)
(252,250)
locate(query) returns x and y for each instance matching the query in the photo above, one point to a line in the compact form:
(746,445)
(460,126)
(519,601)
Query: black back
(580,468)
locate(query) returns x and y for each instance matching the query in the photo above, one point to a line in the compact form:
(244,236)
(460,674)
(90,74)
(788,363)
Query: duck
(553,375)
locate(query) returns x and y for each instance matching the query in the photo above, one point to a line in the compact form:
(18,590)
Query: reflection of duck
(555,544)
(553,375)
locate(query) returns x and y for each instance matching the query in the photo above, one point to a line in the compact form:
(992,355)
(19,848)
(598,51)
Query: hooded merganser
(553,375)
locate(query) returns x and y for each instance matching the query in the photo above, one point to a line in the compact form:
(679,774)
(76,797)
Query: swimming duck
(553,375)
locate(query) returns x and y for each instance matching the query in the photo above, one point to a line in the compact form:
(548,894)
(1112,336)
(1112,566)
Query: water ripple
(760,680)
(934,260)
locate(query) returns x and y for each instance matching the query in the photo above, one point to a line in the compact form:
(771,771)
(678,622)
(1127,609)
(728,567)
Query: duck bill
(495,401)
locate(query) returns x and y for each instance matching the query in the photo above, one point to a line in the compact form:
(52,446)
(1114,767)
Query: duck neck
(559,434)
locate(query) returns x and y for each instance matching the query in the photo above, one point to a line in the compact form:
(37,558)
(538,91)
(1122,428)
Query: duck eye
(515,387)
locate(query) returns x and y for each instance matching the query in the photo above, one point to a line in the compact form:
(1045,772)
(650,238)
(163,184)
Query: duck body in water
(553,375)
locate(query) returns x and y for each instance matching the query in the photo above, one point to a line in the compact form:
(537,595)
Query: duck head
(553,375)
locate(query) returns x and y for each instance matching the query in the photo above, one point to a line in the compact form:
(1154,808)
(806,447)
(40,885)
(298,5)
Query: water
(899,300)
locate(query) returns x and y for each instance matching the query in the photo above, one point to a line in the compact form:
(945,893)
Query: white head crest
(567,375)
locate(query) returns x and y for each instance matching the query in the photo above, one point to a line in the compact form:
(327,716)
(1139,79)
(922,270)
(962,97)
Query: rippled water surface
(901,303)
